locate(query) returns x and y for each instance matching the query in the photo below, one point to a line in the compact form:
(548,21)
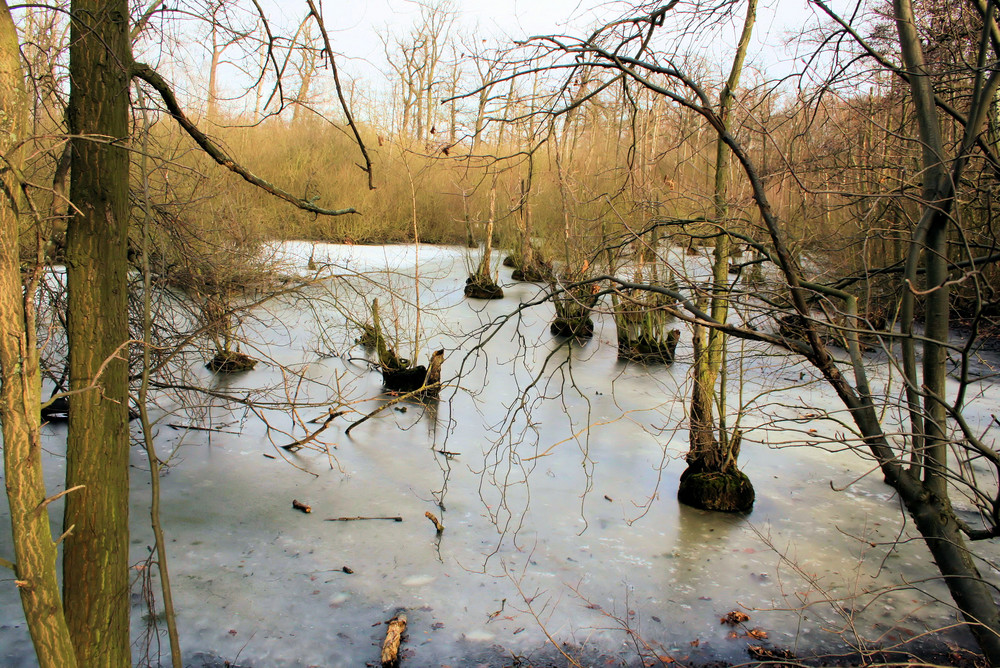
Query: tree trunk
(35,552)
(931,508)
(95,562)
(710,453)
(212,111)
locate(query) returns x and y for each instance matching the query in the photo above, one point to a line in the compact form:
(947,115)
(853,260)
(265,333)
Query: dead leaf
(735,617)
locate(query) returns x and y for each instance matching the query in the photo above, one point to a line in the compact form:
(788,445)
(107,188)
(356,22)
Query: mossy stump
(729,492)
(581,328)
(368,338)
(650,349)
(231,362)
(476,288)
(538,273)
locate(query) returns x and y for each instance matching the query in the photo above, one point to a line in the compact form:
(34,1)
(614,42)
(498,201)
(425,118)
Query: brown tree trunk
(35,552)
(95,562)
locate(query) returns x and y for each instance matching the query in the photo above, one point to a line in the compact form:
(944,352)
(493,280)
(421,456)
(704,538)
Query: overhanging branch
(159,84)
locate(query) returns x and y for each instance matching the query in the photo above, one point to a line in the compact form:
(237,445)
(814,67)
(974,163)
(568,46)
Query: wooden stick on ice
(393,638)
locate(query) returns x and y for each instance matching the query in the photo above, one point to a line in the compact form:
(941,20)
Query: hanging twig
(147,430)
(278,71)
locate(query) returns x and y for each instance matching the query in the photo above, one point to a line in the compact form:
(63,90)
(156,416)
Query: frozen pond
(554,470)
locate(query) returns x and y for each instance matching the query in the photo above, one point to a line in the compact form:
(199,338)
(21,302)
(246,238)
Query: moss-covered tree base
(649,349)
(231,362)
(729,492)
(477,288)
(533,274)
(581,328)
(368,338)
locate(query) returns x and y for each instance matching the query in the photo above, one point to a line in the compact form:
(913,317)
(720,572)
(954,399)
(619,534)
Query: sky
(354,25)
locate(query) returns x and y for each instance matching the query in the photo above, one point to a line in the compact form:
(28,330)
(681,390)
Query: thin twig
(41,506)
(393,402)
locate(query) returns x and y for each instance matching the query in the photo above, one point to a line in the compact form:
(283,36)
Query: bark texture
(34,550)
(95,564)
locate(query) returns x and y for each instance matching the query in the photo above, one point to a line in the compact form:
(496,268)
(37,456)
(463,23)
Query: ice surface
(558,498)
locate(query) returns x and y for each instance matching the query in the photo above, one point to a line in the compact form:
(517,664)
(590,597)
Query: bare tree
(917,464)
(416,59)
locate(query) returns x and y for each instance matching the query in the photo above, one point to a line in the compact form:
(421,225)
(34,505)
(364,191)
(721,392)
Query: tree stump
(404,380)
(231,362)
(537,272)
(477,287)
(581,328)
(650,349)
(727,492)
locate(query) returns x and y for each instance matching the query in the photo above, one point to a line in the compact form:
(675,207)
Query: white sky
(354,25)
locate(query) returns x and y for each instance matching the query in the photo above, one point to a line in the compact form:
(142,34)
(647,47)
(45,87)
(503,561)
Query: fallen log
(394,518)
(393,638)
(298,505)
